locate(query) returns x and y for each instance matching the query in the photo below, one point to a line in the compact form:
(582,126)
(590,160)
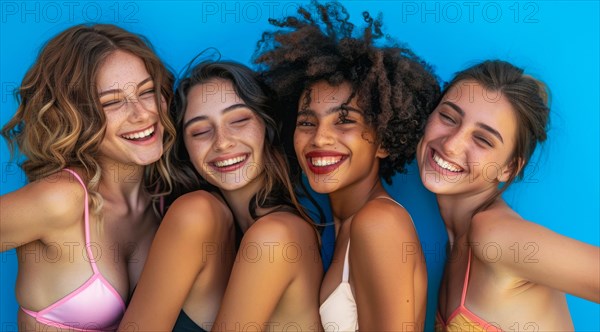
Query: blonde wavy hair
(60,123)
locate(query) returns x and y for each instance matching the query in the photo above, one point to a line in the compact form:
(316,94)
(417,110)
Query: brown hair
(528,98)
(60,123)
(278,191)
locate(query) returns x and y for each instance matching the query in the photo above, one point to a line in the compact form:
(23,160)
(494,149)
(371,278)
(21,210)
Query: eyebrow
(461,112)
(204,117)
(334,109)
(118,90)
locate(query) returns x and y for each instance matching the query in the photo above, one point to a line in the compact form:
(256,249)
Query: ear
(381,152)
(513,167)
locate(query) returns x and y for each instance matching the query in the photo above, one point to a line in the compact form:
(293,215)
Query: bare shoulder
(199,200)
(495,225)
(383,242)
(198,212)
(382,219)
(288,247)
(42,210)
(501,228)
(281,227)
(59,198)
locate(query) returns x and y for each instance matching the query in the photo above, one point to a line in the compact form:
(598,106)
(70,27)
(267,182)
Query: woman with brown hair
(503,272)
(92,123)
(234,176)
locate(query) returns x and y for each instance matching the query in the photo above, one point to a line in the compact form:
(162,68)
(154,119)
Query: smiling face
(468,141)
(335,150)
(127,94)
(223,136)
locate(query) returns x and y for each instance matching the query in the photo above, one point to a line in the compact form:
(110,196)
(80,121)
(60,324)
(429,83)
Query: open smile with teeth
(140,134)
(230,161)
(446,164)
(324,161)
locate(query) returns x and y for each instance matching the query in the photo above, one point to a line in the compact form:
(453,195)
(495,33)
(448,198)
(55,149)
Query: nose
(454,143)
(323,136)
(223,140)
(138,109)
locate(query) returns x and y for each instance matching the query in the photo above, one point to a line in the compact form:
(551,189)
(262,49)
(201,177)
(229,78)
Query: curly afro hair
(395,88)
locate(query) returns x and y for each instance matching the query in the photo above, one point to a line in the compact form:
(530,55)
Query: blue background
(557,41)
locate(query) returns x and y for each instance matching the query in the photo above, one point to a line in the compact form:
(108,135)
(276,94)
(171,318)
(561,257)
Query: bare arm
(259,277)
(539,255)
(384,252)
(40,209)
(176,258)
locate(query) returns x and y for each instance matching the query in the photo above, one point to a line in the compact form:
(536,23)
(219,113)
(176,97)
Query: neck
(457,211)
(347,201)
(239,200)
(123,183)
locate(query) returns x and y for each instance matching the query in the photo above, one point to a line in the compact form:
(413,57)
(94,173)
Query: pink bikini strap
(466,283)
(346,271)
(87,223)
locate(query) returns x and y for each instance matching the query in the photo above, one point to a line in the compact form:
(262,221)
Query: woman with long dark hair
(229,160)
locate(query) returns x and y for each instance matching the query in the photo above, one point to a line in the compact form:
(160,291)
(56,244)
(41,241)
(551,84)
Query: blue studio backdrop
(557,41)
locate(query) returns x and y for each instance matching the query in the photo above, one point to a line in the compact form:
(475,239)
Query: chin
(431,183)
(149,160)
(323,188)
(228,186)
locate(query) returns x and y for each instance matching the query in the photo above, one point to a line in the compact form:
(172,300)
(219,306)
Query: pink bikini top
(94,306)
(463,319)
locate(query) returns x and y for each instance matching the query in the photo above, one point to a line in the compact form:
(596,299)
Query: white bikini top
(338,312)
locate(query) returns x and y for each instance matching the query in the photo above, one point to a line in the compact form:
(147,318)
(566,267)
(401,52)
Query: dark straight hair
(277,192)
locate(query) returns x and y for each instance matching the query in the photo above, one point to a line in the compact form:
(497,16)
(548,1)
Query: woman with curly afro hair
(359,110)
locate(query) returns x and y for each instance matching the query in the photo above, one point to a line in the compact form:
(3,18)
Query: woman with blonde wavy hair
(91,124)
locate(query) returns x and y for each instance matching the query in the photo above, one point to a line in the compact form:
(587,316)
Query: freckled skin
(463,156)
